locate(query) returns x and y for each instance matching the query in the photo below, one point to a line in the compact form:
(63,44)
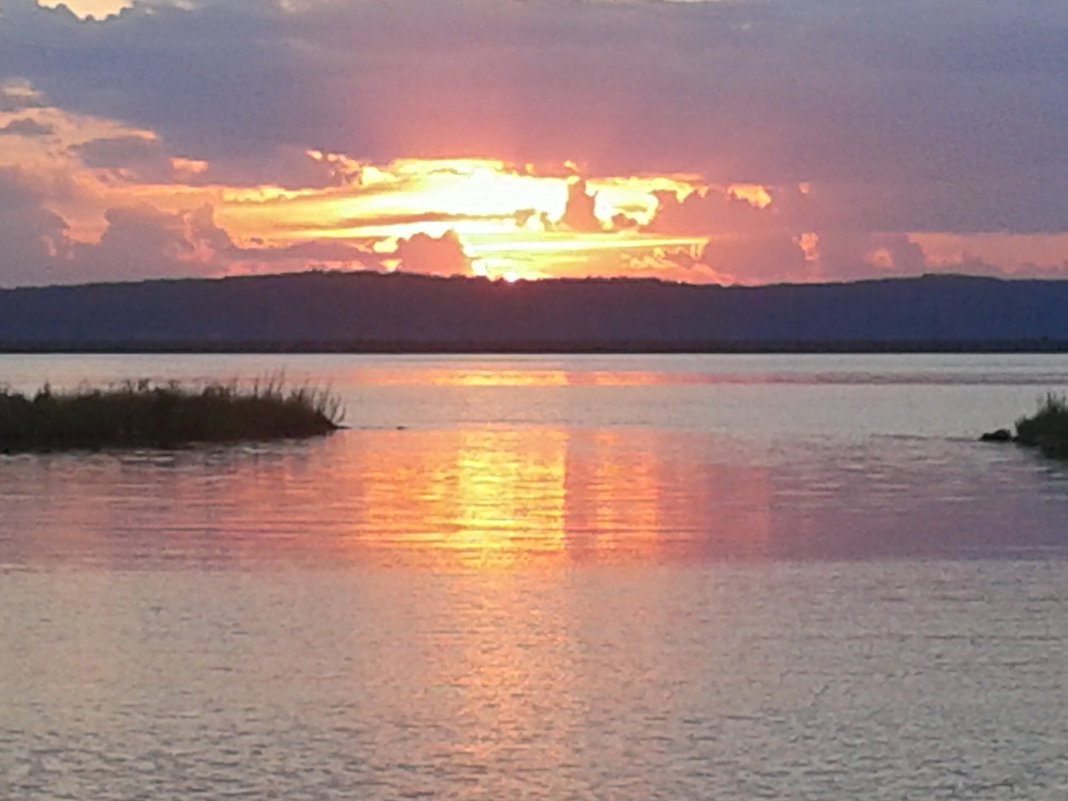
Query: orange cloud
(112,201)
(579,213)
(444,255)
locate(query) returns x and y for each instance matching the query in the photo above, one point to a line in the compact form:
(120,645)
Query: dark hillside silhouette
(370,311)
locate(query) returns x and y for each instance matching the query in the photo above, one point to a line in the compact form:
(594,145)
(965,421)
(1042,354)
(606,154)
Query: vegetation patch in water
(1047,429)
(148,415)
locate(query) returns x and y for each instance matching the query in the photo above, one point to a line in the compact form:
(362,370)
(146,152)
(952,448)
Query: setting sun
(512,222)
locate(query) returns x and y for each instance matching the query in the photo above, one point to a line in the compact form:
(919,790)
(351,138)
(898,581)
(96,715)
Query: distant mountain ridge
(384,312)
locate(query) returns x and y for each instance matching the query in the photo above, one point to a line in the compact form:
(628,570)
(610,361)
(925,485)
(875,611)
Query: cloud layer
(899,118)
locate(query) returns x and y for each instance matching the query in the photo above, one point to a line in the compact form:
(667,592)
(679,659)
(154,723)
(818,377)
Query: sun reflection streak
(497,497)
(510,494)
(488,375)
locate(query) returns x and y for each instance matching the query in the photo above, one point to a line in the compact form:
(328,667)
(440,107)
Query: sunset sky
(729,141)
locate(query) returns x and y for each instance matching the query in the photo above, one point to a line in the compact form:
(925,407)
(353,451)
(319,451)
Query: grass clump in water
(1047,429)
(147,415)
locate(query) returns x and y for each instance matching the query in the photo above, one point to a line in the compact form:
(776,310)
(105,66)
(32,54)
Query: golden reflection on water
(468,497)
(492,376)
(493,496)
(486,495)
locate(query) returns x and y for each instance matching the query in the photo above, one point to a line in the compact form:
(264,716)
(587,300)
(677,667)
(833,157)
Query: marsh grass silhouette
(143,414)
(1047,429)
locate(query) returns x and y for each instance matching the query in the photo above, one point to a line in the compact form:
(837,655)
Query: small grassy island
(1046,430)
(146,415)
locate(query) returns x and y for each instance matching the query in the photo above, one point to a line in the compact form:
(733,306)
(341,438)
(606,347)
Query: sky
(707,141)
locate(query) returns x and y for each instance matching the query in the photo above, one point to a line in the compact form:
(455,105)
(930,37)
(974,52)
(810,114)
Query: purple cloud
(26,127)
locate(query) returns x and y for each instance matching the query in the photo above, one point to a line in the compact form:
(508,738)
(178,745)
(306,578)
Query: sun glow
(90,8)
(513,222)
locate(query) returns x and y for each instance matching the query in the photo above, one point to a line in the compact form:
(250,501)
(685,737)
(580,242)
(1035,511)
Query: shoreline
(533,347)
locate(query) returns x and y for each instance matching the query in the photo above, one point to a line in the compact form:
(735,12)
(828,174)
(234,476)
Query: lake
(543,577)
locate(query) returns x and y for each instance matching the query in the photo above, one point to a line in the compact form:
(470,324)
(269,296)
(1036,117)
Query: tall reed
(1047,429)
(168,415)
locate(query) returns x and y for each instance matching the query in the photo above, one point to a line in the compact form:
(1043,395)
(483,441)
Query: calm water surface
(677,577)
